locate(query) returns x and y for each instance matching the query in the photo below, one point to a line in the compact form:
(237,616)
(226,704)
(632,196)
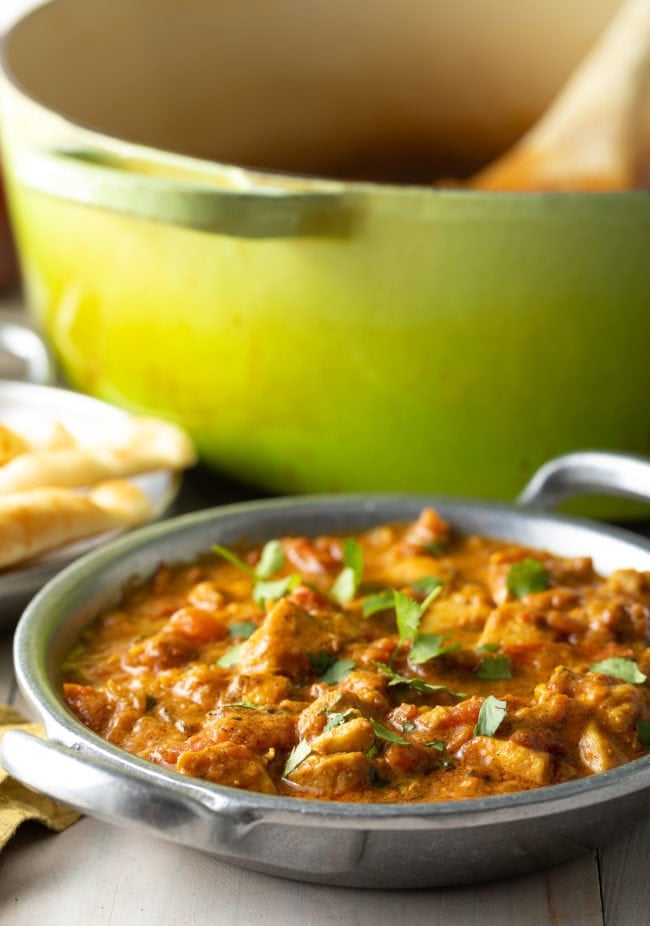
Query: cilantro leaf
(321,661)
(625,669)
(345,586)
(490,716)
(249,705)
(408,727)
(349,579)
(353,558)
(338,671)
(428,585)
(440,745)
(527,576)
(271,591)
(234,560)
(230,657)
(242,629)
(643,732)
(336,718)
(494,668)
(297,755)
(271,559)
(409,615)
(409,612)
(428,646)
(383,733)
(416,683)
(488,648)
(330,669)
(436,548)
(381,601)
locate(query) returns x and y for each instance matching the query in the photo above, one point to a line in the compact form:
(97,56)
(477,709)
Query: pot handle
(234,205)
(114,795)
(22,342)
(588,472)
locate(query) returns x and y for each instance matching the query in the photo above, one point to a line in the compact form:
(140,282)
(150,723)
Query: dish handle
(116,795)
(588,472)
(23,342)
(232,204)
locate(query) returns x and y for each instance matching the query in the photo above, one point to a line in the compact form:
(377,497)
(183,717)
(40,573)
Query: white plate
(24,405)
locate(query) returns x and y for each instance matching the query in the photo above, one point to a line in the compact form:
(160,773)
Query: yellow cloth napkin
(19,803)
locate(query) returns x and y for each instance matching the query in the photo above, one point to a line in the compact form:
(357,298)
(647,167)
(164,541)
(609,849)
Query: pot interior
(402,90)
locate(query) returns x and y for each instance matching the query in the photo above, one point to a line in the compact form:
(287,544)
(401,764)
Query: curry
(405,663)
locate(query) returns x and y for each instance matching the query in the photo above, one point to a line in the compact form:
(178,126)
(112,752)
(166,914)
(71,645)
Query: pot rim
(35,632)
(121,146)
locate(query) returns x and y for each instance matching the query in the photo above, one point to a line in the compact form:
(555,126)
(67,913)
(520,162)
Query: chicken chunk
(510,758)
(332,776)
(260,730)
(597,751)
(288,635)
(227,764)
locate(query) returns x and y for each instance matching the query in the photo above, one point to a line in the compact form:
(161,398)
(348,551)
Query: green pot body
(319,335)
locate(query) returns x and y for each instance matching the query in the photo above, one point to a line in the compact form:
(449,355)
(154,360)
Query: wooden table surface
(94,874)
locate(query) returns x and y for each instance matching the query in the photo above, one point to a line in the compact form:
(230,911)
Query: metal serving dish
(348,844)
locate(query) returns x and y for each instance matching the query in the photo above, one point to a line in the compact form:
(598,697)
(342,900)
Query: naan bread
(11,444)
(40,520)
(147,444)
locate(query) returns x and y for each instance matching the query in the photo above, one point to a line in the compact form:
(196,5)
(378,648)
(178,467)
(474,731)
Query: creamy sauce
(302,695)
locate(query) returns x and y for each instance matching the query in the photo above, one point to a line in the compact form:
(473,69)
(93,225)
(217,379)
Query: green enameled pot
(186,256)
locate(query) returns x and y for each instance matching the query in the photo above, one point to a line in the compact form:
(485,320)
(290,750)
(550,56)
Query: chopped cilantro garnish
(230,657)
(488,648)
(349,579)
(494,668)
(381,601)
(345,586)
(249,705)
(408,727)
(321,661)
(643,732)
(338,671)
(242,629)
(271,591)
(625,669)
(384,733)
(527,576)
(428,646)
(234,559)
(416,683)
(330,669)
(409,615)
(297,755)
(490,716)
(336,718)
(436,548)
(436,744)
(428,585)
(375,778)
(271,559)
(409,612)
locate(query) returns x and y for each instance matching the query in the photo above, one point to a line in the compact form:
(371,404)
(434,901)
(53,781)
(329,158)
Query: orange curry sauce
(302,695)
